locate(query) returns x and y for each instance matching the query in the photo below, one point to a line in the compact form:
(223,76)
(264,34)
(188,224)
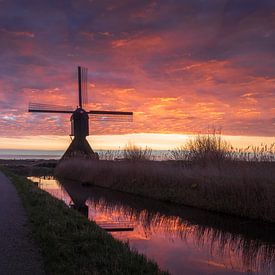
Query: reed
(135,153)
(204,149)
(110,154)
(213,149)
(240,188)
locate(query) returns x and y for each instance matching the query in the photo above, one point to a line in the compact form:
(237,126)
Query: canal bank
(70,244)
(180,239)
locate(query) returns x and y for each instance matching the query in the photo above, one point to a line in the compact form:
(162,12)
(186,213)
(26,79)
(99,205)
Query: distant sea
(56,154)
(30,154)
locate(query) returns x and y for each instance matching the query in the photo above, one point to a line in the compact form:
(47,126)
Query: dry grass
(239,188)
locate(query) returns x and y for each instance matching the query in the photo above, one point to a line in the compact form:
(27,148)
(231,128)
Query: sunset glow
(117,142)
(182,67)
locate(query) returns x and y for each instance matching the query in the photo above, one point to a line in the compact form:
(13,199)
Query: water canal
(180,239)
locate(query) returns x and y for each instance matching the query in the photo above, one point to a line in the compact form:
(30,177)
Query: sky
(182,66)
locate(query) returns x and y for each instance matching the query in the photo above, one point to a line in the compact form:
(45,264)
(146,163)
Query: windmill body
(79,146)
(80,123)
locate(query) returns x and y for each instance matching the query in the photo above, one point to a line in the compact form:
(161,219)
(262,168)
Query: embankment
(240,188)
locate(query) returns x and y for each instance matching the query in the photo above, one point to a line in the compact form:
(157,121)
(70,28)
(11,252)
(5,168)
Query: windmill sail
(85,100)
(49,108)
(82,87)
(111,116)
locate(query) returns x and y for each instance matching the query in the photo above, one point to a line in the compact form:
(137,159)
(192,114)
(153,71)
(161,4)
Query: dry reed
(241,188)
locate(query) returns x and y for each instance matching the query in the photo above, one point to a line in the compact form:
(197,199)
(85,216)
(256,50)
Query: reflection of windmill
(80,119)
(80,197)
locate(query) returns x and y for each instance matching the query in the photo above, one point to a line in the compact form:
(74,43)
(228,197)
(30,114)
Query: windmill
(79,146)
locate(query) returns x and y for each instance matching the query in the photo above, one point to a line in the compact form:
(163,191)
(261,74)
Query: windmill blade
(49,108)
(82,86)
(111,116)
(106,118)
(85,87)
(111,113)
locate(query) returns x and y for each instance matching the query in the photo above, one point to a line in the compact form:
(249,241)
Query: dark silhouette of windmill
(79,146)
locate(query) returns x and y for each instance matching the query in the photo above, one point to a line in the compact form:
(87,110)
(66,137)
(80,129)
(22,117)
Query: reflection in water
(181,239)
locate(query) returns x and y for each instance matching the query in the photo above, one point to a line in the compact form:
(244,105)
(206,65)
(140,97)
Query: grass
(70,244)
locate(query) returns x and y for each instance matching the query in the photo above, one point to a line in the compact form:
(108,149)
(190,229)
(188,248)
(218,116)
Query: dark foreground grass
(240,188)
(70,244)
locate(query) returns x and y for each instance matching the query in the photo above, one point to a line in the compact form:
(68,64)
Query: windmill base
(80,148)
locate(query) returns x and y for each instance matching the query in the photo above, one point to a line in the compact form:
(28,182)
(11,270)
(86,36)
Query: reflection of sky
(178,64)
(172,242)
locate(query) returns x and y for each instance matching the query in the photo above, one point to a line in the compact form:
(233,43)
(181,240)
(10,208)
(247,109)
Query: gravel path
(18,252)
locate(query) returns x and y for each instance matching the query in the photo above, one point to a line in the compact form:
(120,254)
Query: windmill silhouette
(79,146)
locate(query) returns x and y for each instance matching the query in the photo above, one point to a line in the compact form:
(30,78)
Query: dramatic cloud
(181,66)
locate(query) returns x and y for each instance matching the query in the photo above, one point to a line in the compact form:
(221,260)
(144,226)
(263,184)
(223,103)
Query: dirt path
(18,253)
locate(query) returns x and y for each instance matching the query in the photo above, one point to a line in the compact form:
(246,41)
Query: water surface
(30,154)
(182,240)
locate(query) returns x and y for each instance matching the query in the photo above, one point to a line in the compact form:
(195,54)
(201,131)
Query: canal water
(180,239)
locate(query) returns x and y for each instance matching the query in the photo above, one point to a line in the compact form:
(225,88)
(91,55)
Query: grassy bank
(71,244)
(241,188)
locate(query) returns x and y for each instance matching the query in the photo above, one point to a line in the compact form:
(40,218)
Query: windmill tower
(79,146)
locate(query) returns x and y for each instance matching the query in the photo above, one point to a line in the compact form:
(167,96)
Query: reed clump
(213,149)
(110,154)
(204,149)
(262,153)
(135,153)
